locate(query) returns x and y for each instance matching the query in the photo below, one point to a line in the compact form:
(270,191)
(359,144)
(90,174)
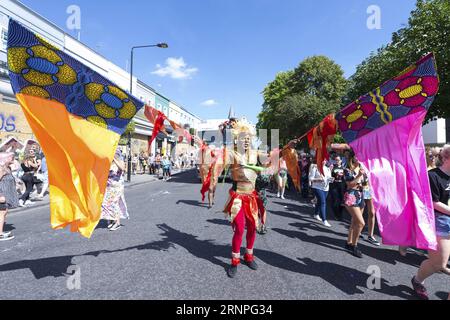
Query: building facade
(436,132)
(12,120)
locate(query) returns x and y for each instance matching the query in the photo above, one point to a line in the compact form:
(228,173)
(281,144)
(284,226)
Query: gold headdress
(242,126)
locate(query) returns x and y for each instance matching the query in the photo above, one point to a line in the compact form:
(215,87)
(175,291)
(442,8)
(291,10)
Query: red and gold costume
(243,208)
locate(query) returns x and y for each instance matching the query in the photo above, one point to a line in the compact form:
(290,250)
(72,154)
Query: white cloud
(176,68)
(209,103)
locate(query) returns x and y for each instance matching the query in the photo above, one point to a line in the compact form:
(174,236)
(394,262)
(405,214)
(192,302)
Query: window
(3,38)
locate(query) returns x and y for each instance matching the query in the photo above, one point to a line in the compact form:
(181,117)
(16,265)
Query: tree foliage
(274,94)
(428,30)
(129,129)
(298,99)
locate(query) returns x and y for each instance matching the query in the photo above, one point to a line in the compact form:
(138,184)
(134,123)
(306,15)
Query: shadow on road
(186,177)
(221,222)
(442,295)
(327,242)
(348,280)
(290,215)
(194,203)
(386,255)
(316,226)
(57,266)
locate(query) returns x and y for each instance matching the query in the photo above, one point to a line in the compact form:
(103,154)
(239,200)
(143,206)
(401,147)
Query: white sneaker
(6,234)
(115,227)
(317,218)
(21,203)
(282,197)
(29,203)
(6,238)
(326,224)
(278,195)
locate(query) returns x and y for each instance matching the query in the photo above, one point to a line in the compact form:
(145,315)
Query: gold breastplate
(241,174)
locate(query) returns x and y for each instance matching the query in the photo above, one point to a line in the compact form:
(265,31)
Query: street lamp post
(159,45)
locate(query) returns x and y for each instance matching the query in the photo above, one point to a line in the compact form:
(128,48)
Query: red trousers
(239,226)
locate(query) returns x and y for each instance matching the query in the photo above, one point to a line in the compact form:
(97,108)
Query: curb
(46,202)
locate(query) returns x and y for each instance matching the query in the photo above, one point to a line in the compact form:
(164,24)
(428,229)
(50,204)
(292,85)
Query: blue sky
(226,51)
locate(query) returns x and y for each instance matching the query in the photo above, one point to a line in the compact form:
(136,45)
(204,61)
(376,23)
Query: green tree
(299,99)
(274,94)
(300,112)
(129,129)
(319,76)
(428,30)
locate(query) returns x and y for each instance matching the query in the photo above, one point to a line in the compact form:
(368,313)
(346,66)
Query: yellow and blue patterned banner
(77,116)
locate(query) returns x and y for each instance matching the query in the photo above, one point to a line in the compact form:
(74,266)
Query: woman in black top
(440,192)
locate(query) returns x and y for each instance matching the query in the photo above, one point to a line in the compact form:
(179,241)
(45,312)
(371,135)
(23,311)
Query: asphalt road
(173,247)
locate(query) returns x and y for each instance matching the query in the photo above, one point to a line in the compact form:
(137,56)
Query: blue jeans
(321,205)
(442,225)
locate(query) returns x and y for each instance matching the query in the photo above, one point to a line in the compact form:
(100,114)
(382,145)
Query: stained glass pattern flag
(77,116)
(384,128)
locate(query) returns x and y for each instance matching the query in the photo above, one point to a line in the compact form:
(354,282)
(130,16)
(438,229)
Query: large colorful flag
(384,128)
(77,116)
(320,138)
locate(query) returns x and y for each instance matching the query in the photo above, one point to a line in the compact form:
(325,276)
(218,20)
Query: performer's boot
(249,259)
(232,270)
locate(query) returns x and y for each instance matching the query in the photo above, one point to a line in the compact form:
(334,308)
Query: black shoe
(356,252)
(252,265)
(249,260)
(348,247)
(373,241)
(232,270)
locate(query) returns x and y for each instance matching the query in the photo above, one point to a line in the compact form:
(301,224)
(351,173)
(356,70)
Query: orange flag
(77,116)
(291,157)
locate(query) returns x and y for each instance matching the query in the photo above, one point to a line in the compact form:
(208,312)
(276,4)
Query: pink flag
(384,128)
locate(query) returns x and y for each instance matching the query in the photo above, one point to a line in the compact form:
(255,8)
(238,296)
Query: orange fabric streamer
(157,118)
(291,157)
(320,138)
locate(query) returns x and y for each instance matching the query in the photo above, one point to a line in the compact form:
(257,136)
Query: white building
(436,132)
(13,122)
